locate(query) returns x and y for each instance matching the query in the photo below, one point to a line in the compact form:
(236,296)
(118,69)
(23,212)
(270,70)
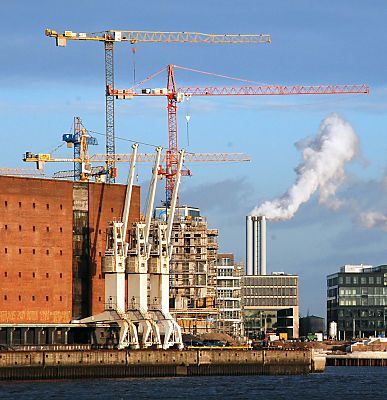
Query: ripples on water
(337,383)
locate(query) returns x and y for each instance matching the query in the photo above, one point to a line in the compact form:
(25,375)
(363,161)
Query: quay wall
(358,359)
(150,363)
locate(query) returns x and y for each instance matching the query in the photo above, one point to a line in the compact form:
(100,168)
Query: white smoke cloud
(373,219)
(322,169)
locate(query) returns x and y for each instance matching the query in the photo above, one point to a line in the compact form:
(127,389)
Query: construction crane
(87,171)
(110,37)
(80,139)
(176,95)
(21,172)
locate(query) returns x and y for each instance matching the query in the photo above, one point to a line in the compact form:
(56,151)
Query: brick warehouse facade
(52,238)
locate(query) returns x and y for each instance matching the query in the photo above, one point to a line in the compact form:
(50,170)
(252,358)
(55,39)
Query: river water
(336,383)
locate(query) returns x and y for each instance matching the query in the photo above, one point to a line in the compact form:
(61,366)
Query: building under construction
(193,271)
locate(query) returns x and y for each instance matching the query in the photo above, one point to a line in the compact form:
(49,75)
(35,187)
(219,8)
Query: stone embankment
(17,365)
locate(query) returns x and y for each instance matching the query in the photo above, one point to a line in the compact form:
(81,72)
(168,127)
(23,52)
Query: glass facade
(357,301)
(270,304)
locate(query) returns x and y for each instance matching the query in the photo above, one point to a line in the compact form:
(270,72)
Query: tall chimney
(255,245)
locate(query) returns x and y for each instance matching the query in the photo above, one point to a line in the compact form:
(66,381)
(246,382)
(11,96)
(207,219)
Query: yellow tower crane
(110,37)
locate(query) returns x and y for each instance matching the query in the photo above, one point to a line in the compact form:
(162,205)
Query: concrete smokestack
(256,245)
(249,245)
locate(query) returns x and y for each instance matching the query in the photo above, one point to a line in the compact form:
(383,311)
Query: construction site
(82,264)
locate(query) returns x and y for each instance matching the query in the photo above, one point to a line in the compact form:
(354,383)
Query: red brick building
(52,238)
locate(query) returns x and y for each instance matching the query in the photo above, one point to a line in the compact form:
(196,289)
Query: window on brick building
(47,206)
(61,252)
(47,252)
(33,274)
(5,297)
(5,227)
(48,229)
(19,274)
(60,298)
(19,298)
(5,250)
(47,275)
(61,275)
(46,298)
(20,251)
(33,228)
(5,274)
(19,204)
(6,203)
(33,251)
(112,209)
(60,229)
(33,298)
(33,205)
(61,206)
(99,298)
(19,227)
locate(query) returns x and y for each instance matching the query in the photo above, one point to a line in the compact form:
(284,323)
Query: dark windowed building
(357,301)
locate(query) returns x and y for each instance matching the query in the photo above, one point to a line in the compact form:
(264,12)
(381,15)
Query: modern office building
(270,304)
(357,301)
(228,295)
(255,245)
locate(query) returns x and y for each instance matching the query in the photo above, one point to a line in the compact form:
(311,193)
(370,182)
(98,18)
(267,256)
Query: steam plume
(322,169)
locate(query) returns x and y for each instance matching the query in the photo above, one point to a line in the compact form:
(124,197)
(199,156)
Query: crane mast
(110,37)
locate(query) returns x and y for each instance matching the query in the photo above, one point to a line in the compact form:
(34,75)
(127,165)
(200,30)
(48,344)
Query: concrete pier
(17,365)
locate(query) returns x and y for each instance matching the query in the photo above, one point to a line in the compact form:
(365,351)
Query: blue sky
(313,42)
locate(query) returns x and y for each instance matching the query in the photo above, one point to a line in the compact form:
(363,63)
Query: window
(61,275)
(33,298)
(60,229)
(6,203)
(19,298)
(20,251)
(33,205)
(5,297)
(46,298)
(19,227)
(60,298)
(47,206)
(61,252)
(33,228)
(5,227)
(47,275)
(33,251)
(19,204)
(47,252)
(33,274)
(5,250)
(5,274)
(112,209)
(99,298)
(19,274)
(61,206)
(48,229)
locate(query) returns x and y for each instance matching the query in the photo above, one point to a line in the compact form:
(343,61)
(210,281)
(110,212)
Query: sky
(313,42)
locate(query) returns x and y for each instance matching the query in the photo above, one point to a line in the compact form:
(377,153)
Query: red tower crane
(110,37)
(175,95)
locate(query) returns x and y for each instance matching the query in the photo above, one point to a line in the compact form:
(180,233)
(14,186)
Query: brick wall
(35,250)
(36,246)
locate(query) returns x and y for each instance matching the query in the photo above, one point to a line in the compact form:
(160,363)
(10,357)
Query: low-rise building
(270,304)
